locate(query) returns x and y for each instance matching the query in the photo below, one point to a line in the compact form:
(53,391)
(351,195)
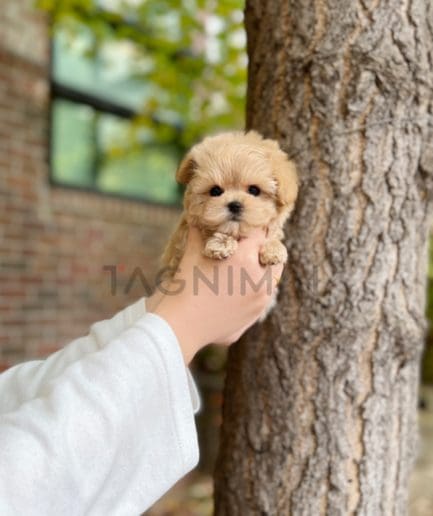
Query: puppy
(234,182)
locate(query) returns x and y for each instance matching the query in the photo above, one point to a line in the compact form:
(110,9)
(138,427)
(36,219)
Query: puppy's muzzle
(235,208)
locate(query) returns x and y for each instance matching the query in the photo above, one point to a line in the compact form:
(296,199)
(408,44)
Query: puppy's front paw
(273,252)
(220,246)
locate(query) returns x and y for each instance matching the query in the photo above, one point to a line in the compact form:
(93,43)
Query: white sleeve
(23,382)
(109,427)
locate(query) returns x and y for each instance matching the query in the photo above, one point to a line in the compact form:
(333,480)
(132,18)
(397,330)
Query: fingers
(255,239)
(277,271)
(194,239)
(246,254)
(257,234)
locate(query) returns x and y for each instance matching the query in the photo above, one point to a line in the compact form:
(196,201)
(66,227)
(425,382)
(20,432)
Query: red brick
(54,240)
(4,366)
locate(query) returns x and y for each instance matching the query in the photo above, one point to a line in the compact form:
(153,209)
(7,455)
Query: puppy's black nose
(235,207)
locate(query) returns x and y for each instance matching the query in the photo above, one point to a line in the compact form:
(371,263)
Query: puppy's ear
(287,179)
(283,170)
(186,170)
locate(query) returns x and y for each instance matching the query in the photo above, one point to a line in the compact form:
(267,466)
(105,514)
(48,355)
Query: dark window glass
(95,141)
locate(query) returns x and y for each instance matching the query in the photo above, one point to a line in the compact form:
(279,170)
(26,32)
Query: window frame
(59,91)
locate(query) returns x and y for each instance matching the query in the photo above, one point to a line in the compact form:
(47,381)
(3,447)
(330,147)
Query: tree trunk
(320,401)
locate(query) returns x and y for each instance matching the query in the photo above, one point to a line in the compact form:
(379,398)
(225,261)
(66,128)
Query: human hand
(215,301)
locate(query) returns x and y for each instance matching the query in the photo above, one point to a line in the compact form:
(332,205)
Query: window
(96,142)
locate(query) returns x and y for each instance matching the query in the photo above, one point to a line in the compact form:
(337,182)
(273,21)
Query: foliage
(195,55)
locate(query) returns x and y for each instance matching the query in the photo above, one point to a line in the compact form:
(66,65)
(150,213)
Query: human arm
(106,426)
(109,435)
(25,381)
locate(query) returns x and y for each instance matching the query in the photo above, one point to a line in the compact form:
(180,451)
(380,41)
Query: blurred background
(99,99)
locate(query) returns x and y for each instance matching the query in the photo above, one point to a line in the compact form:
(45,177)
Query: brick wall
(54,242)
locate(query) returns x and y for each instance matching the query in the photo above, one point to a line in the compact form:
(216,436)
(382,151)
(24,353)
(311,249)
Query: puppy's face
(237,181)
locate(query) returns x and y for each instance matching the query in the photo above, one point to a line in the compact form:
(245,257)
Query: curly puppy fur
(234,182)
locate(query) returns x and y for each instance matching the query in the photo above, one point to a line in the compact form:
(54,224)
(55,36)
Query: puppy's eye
(216,191)
(254,190)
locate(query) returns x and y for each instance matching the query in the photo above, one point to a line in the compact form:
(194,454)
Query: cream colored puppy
(234,182)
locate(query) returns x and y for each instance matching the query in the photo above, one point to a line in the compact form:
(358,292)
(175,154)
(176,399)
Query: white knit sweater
(103,427)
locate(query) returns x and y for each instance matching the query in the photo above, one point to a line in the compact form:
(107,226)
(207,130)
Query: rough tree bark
(320,401)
